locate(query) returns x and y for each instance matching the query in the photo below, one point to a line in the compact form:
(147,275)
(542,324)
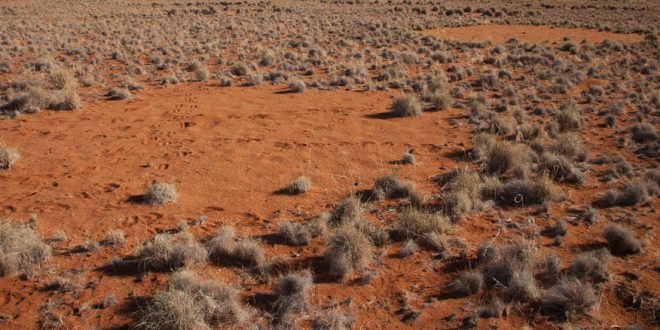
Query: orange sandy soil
(499,34)
(227,150)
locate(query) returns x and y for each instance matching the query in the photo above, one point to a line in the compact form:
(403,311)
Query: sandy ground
(228,150)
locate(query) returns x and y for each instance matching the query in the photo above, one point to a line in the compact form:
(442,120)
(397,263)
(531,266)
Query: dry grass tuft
(8,157)
(160,193)
(334,320)
(567,298)
(191,304)
(300,185)
(348,250)
(115,238)
(294,233)
(467,284)
(406,106)
(415,224)
(298,86)
(291,292)
(621,240)
(21,249)
(628,195)
(591,267)
(348,211)
(168,252)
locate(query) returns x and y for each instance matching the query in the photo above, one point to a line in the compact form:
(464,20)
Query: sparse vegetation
(568,298)
(407,106)
(21,249)
(160,193)
(291,292)
(294,233)
(114,238)
(8,157)
(621,241)
(169,252)
(348,250)
(191,303)
(467,284)
(298,86)
(514,141)
(300,185)
(628,195)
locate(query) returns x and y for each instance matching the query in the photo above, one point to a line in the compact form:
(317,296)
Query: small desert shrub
(407,106)
(248,252)
(499,272)
(644,132)
(21,249)
(8,157)
(523,192)
(114,237)
(167,252)
(160,193)
(463,192)
(202,74)
(521,288)
(621,240)
(334,320)
(435,241)
(291,292)
(568,118)
(437,82)
(514,258)
(439,100)
(501,157)
(521,253)
(481,144)
(348,250)
(319,226)
(300,185)
(221,245)
(390,187)
(224,250)
(503,126)
(487,252)
(239,69)
(255,79)
(414,223)
(571,146)
(61,80)
(560,169)
(377,236)
(408,158)
(294,233)
(190,304)
(348,211)
(549,268)
(627,196)
(467,284)
(297,86)
(225,82)
(652,179)
(408,249)
(118,94)
(567,298)
(590,267)
(40,96)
